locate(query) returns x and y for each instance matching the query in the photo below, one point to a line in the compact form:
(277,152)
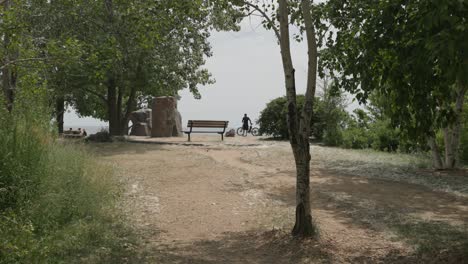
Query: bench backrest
(207,123)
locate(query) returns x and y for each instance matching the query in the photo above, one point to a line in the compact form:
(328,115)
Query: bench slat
(210,126)
(206,124)
(204,132)
(214,124)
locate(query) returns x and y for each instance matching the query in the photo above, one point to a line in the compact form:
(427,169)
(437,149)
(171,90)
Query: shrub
(384,137)
(102,136)
(56,203)
(273,119)
(356,138)
(333,136)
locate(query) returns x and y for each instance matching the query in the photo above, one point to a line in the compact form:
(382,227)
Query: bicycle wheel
(255,131)
(240,131)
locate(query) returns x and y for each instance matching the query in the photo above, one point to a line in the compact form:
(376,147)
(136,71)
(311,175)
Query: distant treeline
(367,127)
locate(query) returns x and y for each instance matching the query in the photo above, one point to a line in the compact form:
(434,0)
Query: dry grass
(411,168)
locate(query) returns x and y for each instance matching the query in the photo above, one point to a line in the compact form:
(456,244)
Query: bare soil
(233,202)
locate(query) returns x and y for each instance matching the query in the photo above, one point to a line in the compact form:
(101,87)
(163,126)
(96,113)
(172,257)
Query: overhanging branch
(268,19)
(22,60)
(100,96)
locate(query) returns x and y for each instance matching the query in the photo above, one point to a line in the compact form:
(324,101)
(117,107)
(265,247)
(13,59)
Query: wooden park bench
(206,124)
(72,134)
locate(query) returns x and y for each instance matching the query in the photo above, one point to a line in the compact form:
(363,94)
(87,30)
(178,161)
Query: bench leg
(222,137)
(188,137)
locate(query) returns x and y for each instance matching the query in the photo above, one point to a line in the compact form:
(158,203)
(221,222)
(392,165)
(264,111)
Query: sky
(248,72)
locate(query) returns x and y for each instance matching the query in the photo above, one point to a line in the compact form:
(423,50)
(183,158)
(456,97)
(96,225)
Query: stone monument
(141,122)
(167,121)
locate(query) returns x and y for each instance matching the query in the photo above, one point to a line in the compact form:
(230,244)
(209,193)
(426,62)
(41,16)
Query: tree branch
(100,96)
(265,15)
(22,60)
(312,64)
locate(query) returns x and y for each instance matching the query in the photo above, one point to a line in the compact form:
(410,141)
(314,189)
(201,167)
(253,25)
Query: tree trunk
(59,111)
(436,159)
(458,125)
(112,110)
(449,153)
(119,110)
(303,225)
(298,126)
(8,73)
(452,133)
(131,102)
(9,85)
(129,109)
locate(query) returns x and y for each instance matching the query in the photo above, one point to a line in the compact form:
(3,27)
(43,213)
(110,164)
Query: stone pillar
(166,119)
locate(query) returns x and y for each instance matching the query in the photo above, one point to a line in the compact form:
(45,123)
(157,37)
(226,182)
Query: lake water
(94,129)
(89,129)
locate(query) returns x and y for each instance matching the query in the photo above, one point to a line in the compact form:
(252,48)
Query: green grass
(432,241)
(57,203)
(436,240)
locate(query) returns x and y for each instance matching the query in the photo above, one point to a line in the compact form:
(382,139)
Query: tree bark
(449,154)
(8,72)
(452,133)
(59,111)
(436,158)
(303,225)
(458,125)
(131,101)
(112,110)
(9,85)
(298,125)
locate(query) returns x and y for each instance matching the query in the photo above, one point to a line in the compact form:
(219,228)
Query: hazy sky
(248,72)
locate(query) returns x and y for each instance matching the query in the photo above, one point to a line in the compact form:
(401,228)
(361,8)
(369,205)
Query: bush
(356,138)
(273,119)
(102,136)
(333,136)
(56,203)
(384,137)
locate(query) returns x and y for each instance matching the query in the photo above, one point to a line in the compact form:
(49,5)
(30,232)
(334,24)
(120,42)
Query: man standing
(245,125)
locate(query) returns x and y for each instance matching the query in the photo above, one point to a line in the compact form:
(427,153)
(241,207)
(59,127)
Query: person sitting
(83,133)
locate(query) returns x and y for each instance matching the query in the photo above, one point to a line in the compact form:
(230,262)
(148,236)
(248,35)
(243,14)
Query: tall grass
(57,204)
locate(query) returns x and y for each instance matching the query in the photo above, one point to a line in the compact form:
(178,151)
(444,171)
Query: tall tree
(102,56)
(143,49)
(278,18)
(414,53)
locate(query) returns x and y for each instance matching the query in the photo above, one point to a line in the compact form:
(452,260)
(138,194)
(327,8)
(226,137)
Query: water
(94,129)
(89,129)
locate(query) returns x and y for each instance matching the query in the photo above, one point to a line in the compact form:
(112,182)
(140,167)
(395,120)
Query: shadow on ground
(435,223)
(121,148)
(246,247)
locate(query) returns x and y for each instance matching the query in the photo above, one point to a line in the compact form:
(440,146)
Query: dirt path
(228,203)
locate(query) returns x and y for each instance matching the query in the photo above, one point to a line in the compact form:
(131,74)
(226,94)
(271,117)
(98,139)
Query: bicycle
(252,130)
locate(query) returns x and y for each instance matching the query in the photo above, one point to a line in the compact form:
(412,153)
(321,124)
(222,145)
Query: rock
(141,122)
(102,136)
(231,133)
(167,121)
